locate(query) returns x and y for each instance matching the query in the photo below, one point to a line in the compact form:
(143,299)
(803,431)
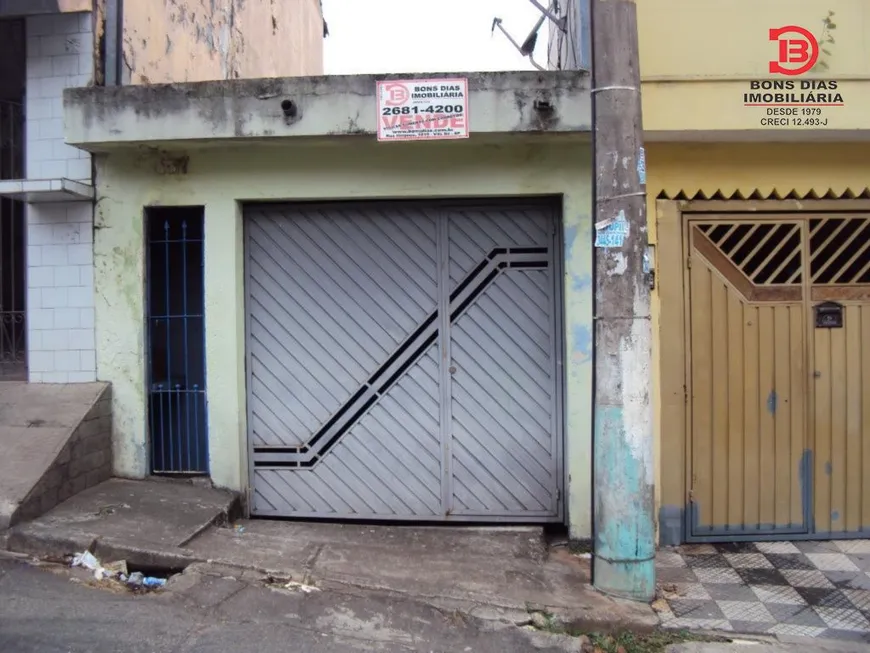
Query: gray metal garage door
(402,361)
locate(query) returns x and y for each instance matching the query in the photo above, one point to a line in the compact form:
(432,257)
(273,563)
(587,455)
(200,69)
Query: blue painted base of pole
(634,580)
(624,562)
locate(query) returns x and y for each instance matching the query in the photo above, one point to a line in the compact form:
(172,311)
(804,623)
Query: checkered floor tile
(809,589)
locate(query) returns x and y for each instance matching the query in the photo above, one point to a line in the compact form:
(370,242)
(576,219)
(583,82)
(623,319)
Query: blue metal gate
(176,341)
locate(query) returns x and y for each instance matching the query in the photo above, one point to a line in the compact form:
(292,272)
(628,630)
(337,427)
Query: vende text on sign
(422,109)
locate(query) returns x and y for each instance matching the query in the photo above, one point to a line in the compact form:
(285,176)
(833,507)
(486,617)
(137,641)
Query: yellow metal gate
(778,376)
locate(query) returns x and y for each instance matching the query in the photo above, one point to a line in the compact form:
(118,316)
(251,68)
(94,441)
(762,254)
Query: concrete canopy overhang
(334,109)
(41,191)
(19,8)
(758,136)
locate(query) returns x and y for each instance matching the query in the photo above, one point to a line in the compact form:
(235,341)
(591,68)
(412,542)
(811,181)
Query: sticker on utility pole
(422,109)
(641,166)
(611,233)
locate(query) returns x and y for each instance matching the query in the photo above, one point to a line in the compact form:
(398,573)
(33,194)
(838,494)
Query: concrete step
(147,523)
(56,441)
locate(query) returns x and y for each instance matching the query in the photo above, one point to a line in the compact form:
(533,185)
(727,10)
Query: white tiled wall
(60,271)
(59,55)
(60,294)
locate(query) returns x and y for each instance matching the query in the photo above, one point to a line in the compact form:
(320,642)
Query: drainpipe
(112,63)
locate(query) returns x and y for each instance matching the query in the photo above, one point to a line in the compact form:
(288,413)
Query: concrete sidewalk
(798,645)
(493,573)
(501,574)
(51,608)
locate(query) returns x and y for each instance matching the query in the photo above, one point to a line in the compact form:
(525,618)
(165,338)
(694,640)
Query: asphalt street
(44,611)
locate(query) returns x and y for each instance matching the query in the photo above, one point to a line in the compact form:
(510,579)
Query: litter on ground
(116,571)
(292,585)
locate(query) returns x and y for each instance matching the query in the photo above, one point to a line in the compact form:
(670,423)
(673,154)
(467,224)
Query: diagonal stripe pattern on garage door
(401,362)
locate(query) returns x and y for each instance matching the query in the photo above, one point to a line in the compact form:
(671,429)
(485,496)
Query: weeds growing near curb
(624,642)
(655,642)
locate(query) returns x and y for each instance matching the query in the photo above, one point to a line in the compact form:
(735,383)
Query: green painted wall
(221,179)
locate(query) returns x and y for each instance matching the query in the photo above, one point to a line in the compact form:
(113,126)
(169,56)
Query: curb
(27,541)
(41,542)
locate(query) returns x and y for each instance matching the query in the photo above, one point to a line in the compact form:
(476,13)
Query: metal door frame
(152,214)
(758,210)
(552,205)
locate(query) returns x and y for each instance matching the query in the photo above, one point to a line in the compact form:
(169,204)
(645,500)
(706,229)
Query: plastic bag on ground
(307,589)
(85,559)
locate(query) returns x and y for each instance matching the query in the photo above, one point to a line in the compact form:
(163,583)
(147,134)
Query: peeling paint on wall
(570,237)
(581,345)
(207,40)
(619,264)
(581,282)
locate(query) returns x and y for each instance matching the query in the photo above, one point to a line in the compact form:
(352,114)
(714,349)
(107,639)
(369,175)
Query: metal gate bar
(176,352)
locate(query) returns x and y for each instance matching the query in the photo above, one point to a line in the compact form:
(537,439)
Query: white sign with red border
(422,109)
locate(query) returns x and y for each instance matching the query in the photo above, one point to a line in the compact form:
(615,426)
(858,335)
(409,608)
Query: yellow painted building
(756,125)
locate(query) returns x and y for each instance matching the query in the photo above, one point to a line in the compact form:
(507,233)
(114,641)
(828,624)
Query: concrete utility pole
(624,562)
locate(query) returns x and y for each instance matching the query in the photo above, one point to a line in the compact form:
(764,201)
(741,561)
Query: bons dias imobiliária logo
(792,99)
